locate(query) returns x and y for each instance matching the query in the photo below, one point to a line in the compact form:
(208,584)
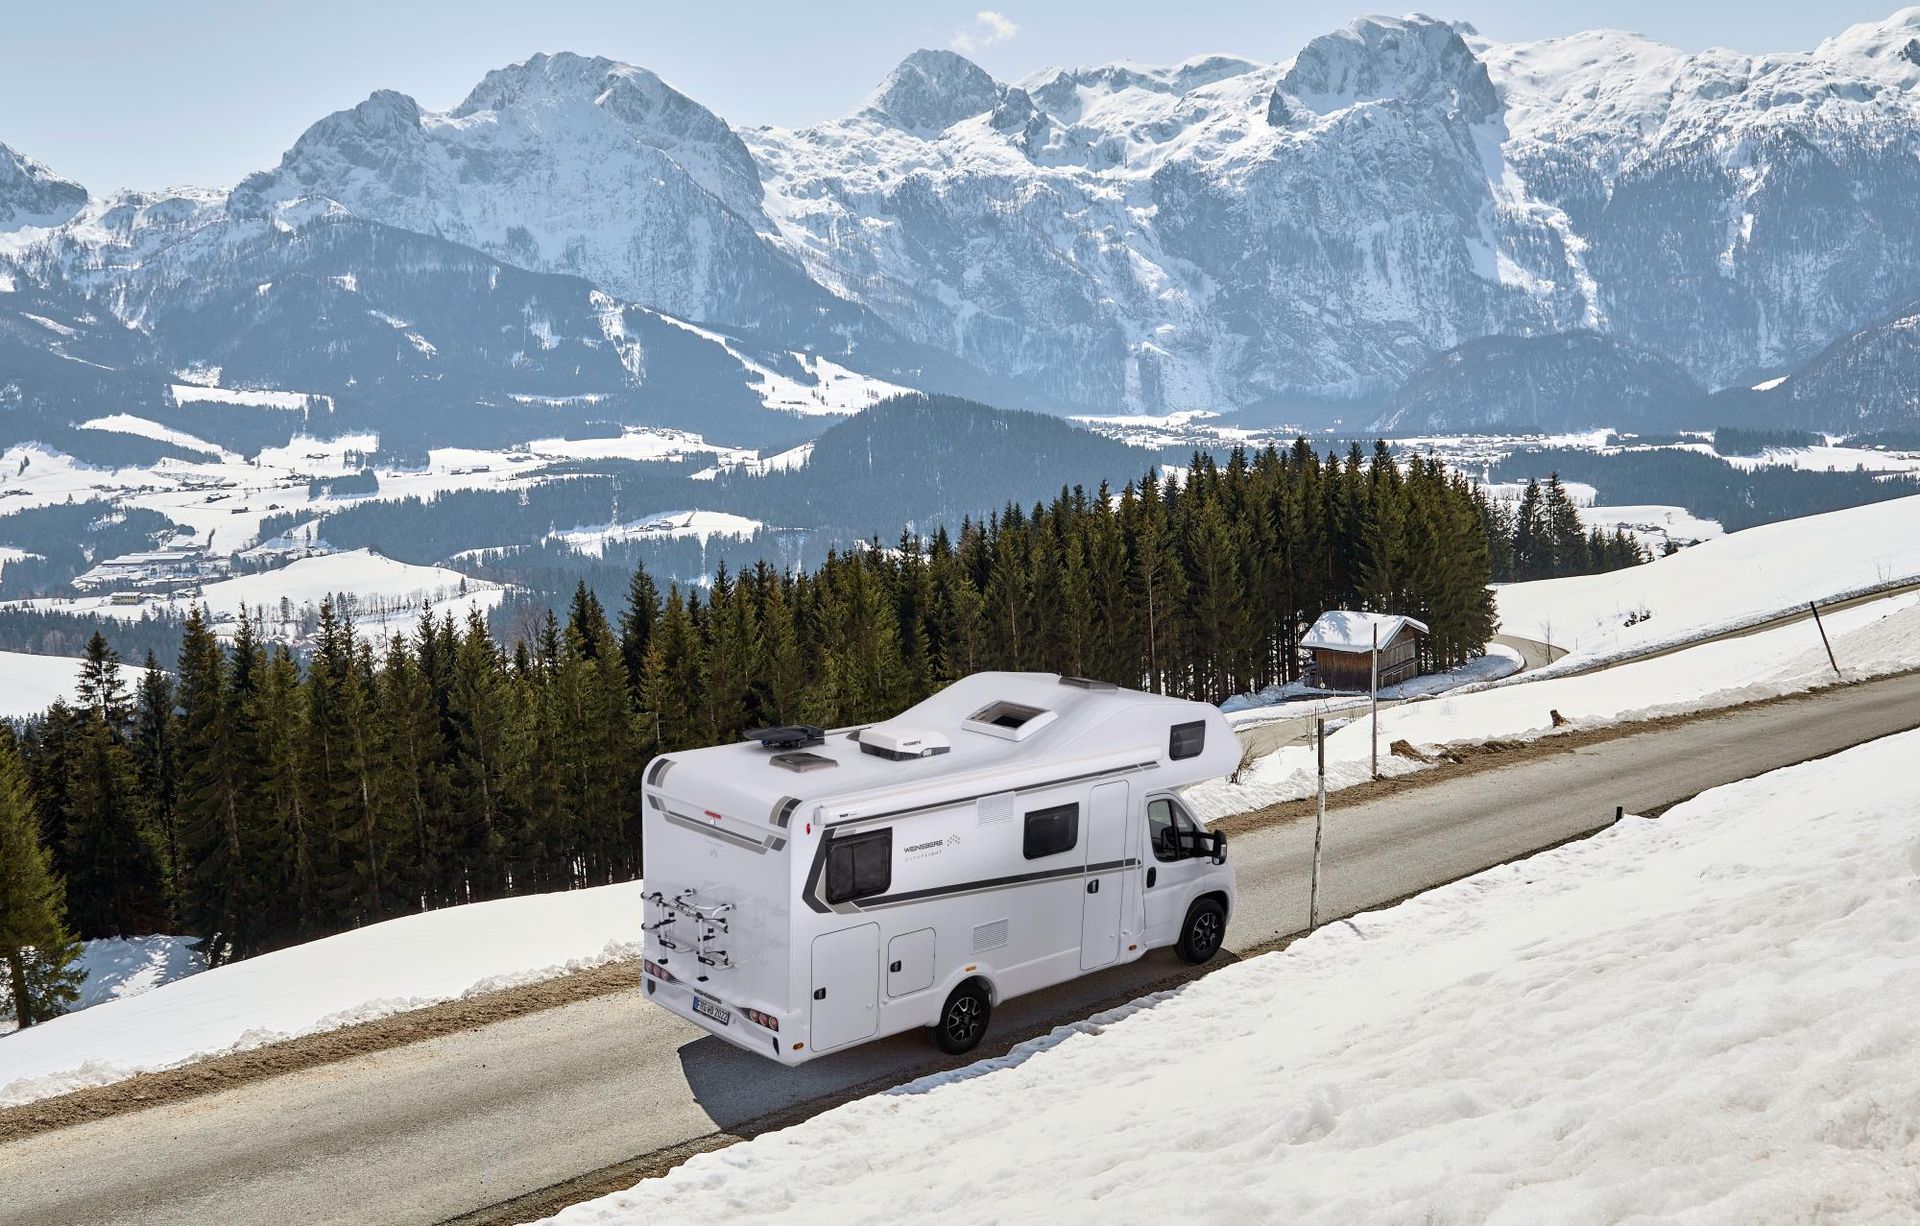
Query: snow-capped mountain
(32,195)
(1219,234)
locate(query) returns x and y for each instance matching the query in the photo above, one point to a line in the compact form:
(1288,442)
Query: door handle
(1153,874)
(1093,887)
(819,993)
(894,967)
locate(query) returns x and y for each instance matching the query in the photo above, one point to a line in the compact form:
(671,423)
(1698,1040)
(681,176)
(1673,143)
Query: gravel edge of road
(212,1076)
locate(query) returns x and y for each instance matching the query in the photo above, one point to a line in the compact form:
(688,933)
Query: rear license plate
(708,1009)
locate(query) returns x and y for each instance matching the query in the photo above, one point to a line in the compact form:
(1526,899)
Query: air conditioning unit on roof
(902,743)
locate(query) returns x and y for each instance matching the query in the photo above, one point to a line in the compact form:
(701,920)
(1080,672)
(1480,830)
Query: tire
(963,1019)
(1206,928)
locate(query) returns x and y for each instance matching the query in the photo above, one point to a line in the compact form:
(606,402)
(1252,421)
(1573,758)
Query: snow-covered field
(356,976)
(695,525)
(387,593)
(1831,458)
(1708,1017)
(30,683)
(1653,526)
(1720,583)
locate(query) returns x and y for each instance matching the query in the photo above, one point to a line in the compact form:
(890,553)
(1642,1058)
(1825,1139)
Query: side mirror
(1219,847)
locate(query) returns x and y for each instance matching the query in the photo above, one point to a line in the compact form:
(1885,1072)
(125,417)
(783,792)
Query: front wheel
(963,1019)
(1205,929)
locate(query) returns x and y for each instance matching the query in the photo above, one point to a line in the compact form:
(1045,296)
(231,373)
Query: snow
(370,577)
(29,684)
(119,967)
(1509,1048)
(1869,640)
(1272,702)
(1345,630)
(357,976)
(1653,525)
(127,423)
(700,525)
(792,460)
(1719,583)
(1831,459)
(188,393)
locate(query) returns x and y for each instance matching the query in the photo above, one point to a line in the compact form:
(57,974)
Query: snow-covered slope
(357,976)
(29,684)
(1720,583)
(1509,1048)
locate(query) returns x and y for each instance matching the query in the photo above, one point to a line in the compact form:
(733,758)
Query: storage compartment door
(910,962)
(1106,842)
(846,986)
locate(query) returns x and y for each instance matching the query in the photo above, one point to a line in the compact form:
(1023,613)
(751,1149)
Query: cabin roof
(1347,630)
(1087,724)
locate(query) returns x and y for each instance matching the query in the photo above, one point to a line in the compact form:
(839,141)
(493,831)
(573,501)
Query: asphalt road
(435,1129)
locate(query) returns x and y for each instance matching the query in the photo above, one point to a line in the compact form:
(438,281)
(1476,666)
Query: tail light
(656,970)
(765,1019)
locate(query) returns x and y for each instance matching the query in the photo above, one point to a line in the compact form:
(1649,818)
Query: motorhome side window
(860,866)
(1187,740)
(1052,831)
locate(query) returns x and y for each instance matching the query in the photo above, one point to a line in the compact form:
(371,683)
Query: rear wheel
(963,1019)
(1205,929)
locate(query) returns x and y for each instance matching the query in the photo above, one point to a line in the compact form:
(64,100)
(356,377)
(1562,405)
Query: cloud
(988,28)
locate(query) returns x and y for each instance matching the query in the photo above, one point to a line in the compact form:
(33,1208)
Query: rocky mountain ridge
(1220,233)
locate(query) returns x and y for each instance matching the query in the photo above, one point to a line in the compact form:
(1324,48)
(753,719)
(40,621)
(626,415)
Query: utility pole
(1821,627)
(1375,690)
(1319,823)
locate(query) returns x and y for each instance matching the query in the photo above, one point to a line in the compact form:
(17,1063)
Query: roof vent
(901,744)
(788,736)
(1088,683)
(801,762)
(1010,721)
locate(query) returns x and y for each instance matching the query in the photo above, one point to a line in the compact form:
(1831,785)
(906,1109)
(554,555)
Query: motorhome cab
(808,891)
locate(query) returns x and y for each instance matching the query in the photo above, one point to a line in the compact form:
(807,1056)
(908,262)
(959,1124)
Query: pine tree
(116,885)
(158,763)
(39,952)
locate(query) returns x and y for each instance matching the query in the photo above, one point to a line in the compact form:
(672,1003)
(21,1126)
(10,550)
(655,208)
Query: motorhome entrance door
(1106,844)
(846,986)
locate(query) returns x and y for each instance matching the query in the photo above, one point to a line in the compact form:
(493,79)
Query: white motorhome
(808,891)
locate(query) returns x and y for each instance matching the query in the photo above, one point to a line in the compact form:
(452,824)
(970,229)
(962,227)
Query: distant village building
(1342,646)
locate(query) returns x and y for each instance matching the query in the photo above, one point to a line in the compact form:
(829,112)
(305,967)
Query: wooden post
(1319,823)
(1374,689)
(1821,627)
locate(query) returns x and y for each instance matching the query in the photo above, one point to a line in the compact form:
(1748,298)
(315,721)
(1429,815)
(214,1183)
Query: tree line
(257,800)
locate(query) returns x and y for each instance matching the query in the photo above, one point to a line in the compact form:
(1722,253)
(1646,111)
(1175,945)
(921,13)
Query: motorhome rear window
(1052,831)
(1187,740)
(860,866)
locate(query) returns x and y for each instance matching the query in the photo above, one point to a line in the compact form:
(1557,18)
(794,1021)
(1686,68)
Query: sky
(133,93)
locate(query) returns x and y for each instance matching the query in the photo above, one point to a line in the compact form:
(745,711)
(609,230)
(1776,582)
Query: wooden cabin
(1341,643)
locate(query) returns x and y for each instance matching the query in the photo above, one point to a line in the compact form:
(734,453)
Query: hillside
(1542,385)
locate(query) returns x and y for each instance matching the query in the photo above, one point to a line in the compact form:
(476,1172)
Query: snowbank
(1870,640)
(357,976)
(118,967)
(1720,583)
(1709,1017)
